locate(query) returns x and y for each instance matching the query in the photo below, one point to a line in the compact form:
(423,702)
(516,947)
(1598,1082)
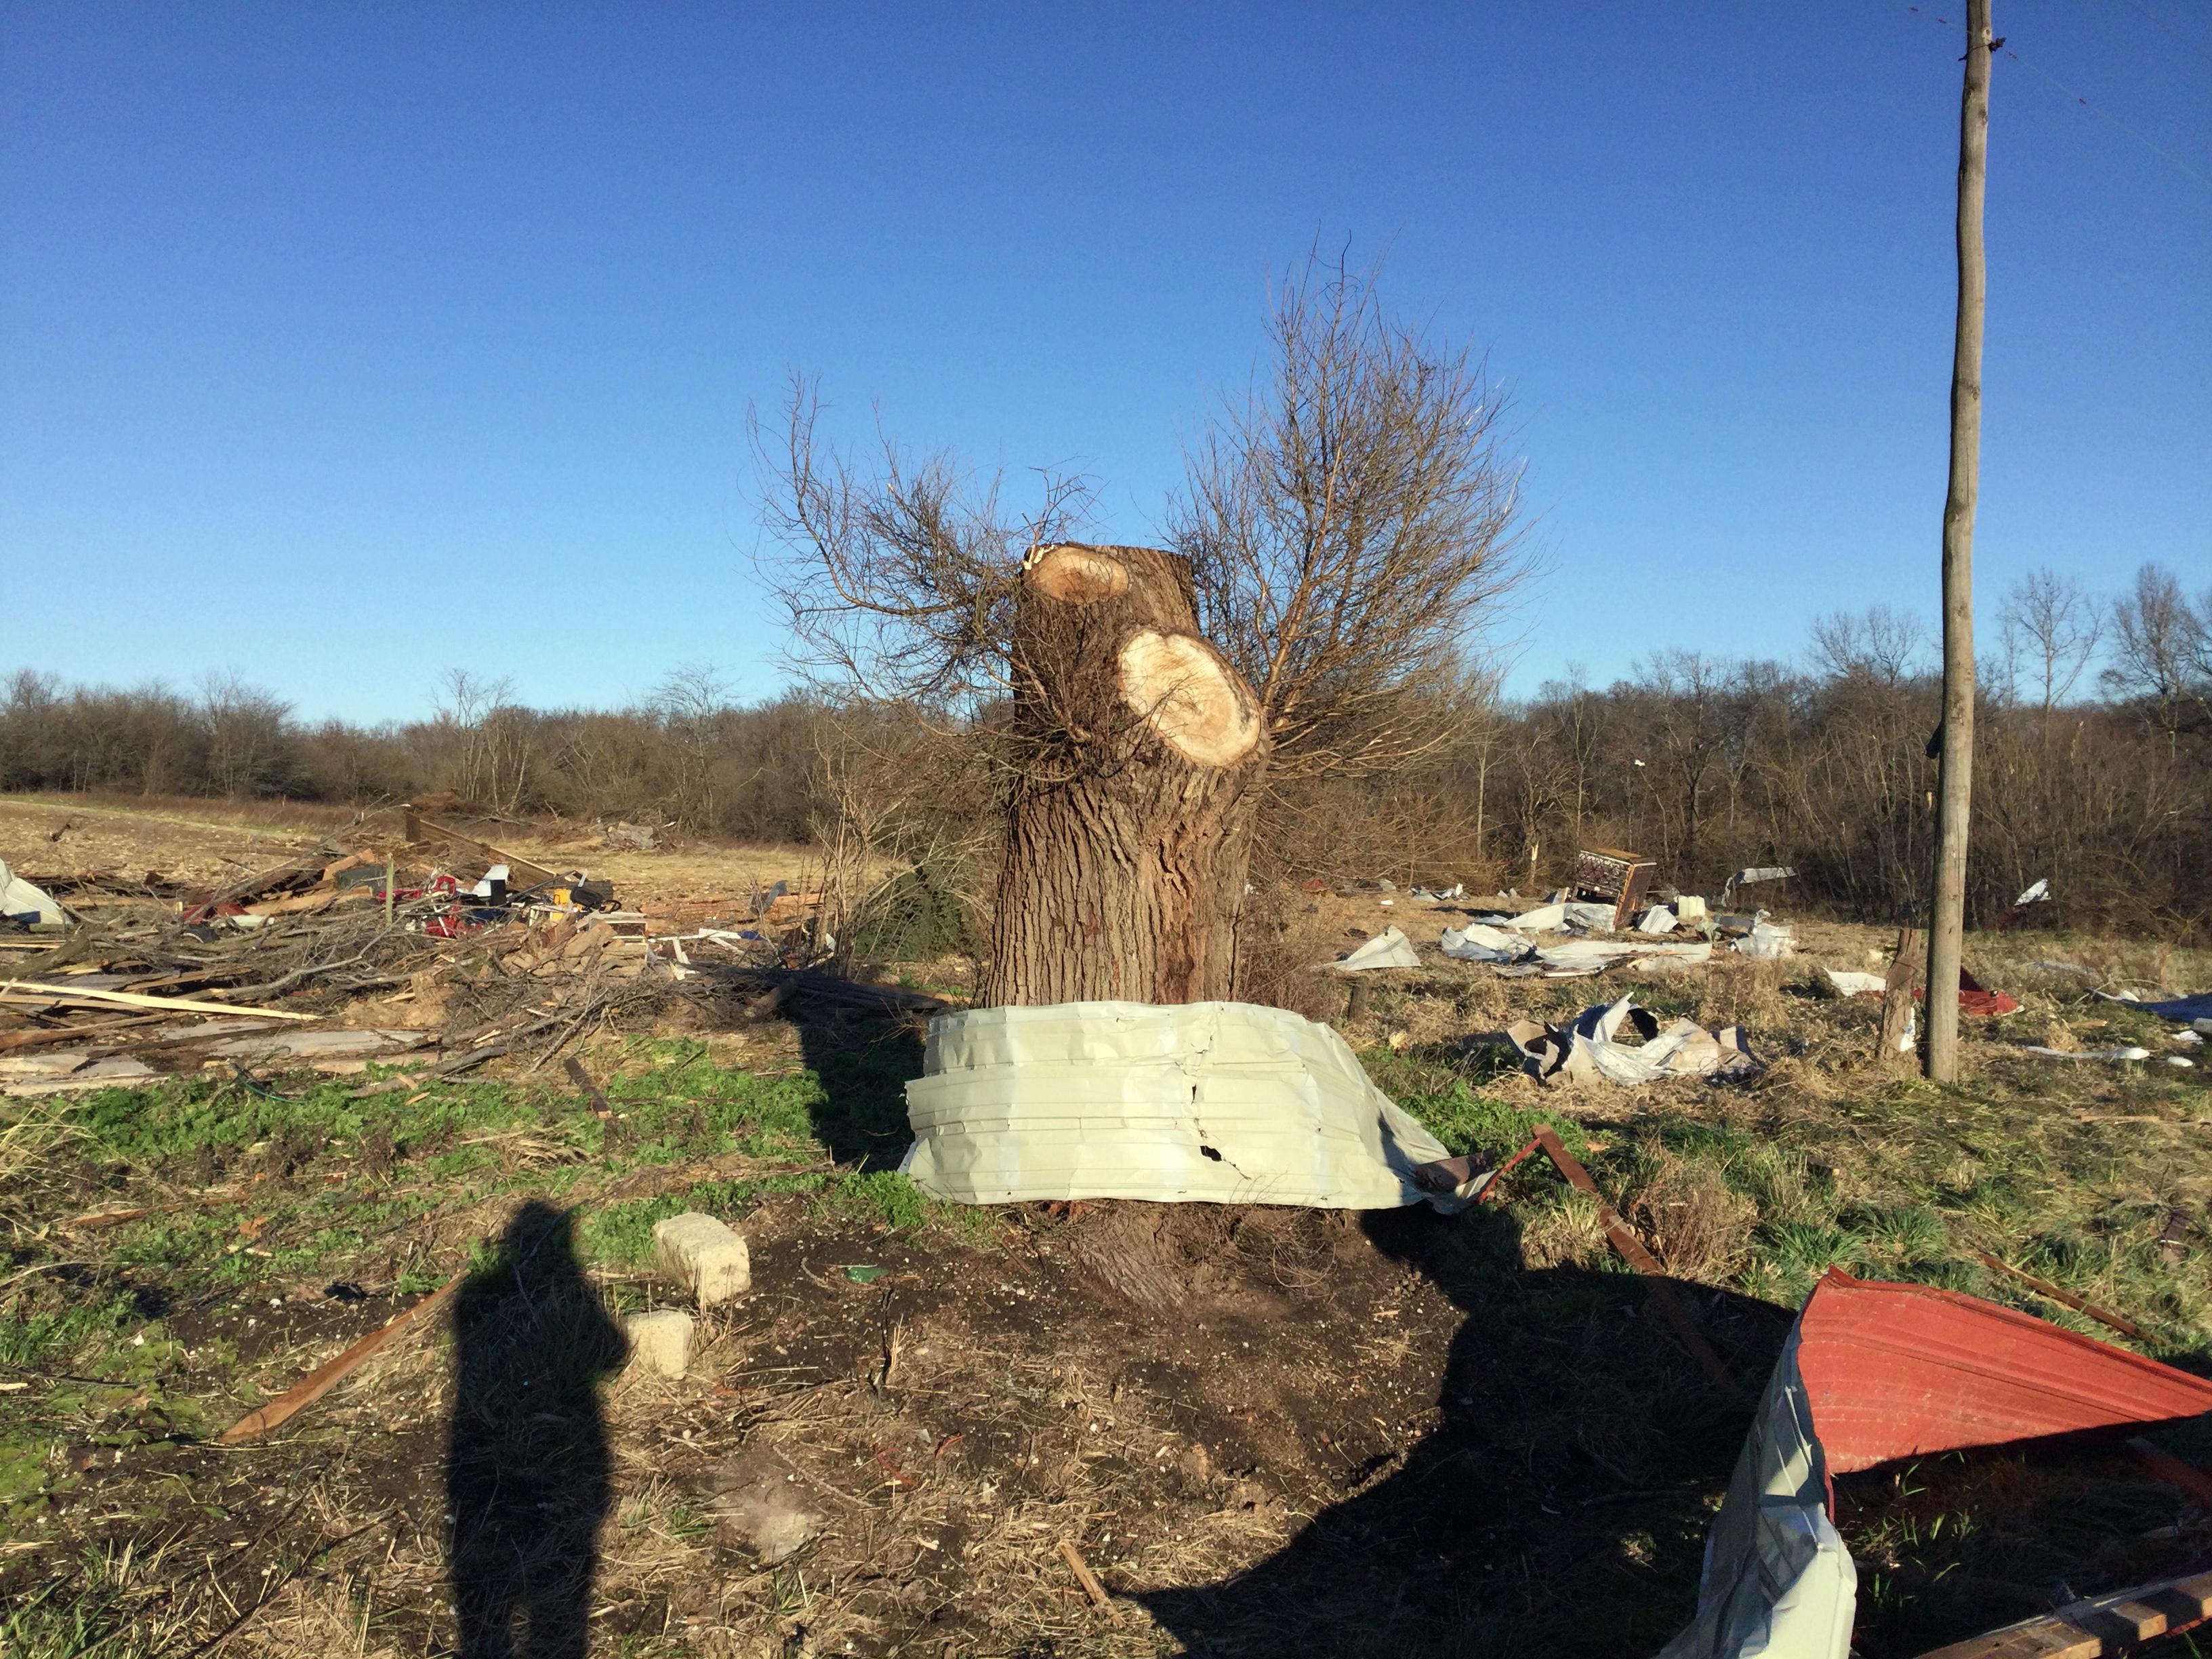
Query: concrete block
(659,1341)
(704,1256)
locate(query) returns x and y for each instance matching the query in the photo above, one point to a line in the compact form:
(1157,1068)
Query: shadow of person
(527,1470)
(1556,1504)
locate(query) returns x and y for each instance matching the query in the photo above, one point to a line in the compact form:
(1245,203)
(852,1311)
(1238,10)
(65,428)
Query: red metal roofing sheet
(1901,1371)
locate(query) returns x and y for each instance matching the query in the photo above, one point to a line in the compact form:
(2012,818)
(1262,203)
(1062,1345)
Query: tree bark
(1954,781)
(1130,827)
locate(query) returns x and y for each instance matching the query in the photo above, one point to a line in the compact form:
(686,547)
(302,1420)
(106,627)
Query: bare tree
(690,702)
(2049,629)
(1880,644)
(1345,531)
(1353,526)
(2163,650)
(244,726)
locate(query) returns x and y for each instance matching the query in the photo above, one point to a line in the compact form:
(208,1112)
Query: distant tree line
(2094,765)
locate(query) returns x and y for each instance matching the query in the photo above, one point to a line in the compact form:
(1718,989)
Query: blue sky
(342,343)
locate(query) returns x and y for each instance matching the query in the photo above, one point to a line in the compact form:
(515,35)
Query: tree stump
(1130,827)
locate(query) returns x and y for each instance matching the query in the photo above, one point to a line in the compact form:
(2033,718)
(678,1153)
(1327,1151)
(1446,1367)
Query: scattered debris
(2066,1298)
(1848,982)
(2114,1055)
(1749,877)
(331,1373)
(755,1498)
(2098,1626)
(1388,949)
(2183,1011)
(1210,1103)
(24,904)
(1657,1285)
(1085,1577)
(2038,892)
(1614,879)
(1477,942)
(1767,941)
(1590,1046)
(1873,1373)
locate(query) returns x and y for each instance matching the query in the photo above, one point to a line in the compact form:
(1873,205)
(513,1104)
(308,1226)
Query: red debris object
(1976,998)
(1904,1370)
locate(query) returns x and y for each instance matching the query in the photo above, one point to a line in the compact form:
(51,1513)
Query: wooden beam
(21,990)
(1657,1285)
(2092,1629)
(1956,778)
(525,873)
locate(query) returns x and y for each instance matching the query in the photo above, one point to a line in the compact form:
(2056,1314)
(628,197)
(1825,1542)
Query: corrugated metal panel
(1898,1370)
(1221,1103)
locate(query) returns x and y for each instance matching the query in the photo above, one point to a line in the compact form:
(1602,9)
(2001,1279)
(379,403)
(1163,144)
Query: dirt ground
(1395,1433)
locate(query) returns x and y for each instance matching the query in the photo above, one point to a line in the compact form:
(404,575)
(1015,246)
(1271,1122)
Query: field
(1386,1434)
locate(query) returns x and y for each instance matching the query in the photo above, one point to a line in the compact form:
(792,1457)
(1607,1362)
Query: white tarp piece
(1626,1044)
(1851,983)
(1477,942)
(2039,893)
(1768,941)
(1544,918)
(1214,1102)
(1659,918)
(1559,917)
(21,902)
(1388,949)
(1584,956)
(1778,1583)
(1748,877)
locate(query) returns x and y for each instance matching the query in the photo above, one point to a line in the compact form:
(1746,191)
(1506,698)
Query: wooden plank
(520,870)
(2102,1626)
(1890,1048)
(74,1033)
(2174,1471)
(326,1376)
(1659,1288)
(18,990)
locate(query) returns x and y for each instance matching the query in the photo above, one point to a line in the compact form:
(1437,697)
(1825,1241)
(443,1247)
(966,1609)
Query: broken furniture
(1602,876)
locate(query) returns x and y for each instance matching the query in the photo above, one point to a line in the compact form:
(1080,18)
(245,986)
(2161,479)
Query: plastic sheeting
(21,902)
(1591,1046)
(1477,942)
(1388,949)
(1778,1583)
(1217,1103)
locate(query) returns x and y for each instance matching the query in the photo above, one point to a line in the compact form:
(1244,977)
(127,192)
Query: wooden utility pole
(1954,787)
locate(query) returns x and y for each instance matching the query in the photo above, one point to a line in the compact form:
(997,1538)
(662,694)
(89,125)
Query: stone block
(704,1256)
(659,1341)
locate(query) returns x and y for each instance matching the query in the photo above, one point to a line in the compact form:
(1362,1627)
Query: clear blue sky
(343,342)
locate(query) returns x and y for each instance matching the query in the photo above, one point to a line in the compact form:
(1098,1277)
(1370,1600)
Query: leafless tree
(1346,530)
(1353,526)
(1880,644)
(2049,629)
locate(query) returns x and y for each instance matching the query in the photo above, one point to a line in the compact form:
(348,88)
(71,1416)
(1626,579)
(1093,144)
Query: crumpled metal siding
(1779,1581)
(1214,1102)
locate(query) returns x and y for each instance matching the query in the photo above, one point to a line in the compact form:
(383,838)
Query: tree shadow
(527,1467)
(1558,1504)
(863,1061)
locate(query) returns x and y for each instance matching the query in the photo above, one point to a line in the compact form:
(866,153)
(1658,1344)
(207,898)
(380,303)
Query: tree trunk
(1130,829)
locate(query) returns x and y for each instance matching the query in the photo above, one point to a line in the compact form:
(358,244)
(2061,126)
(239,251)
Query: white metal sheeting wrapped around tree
(1211,1103)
